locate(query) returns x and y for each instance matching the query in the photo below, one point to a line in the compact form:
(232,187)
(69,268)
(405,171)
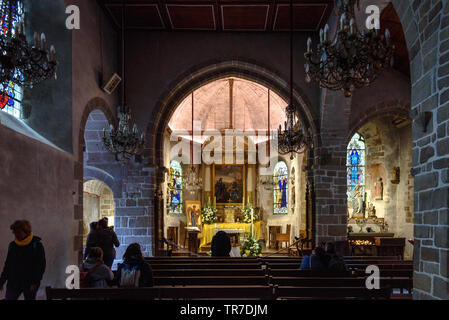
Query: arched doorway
(98,203)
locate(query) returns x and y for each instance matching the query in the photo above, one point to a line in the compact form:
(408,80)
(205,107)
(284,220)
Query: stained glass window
(175,188)
(280,191)
(11,95)
(355,164)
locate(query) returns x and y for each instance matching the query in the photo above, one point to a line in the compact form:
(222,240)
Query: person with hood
(221,245)
(97,273)
(134,271)
(25,263)
(105,238)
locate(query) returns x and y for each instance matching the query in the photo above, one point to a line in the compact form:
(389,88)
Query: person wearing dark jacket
(334,261)
(98,273)
(25,263)
(93,226)
(133,259)
(105,238)
(316,261)
(221,245)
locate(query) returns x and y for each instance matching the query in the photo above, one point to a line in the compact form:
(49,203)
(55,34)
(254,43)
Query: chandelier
(124,140)
(352,59)
(21,63)
(192,181)
(295,138)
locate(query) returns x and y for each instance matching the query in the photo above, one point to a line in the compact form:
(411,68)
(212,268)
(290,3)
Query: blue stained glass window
(280,192)
(175,188)
(356,164)
(11,96)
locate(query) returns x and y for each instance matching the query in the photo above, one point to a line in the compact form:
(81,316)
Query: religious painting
(379,189)
(280,191)
(229,184)
(193,213)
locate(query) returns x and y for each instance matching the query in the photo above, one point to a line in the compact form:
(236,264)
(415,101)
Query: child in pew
(316,261)
(134,271)
(97,274)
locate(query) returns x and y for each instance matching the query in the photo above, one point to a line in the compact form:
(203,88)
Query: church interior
(284,124)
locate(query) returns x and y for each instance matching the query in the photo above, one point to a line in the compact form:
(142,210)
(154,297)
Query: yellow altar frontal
(208,230)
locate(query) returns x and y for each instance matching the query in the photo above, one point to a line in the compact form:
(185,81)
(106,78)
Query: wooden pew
(207,266)
(188,280)
(320,293)
(164,292)
(357,273)
(208,272)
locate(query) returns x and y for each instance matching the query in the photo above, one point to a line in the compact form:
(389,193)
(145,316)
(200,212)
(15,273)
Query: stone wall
(426,28)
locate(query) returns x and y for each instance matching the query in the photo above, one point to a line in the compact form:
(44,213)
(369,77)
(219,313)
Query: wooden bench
(208,272)
(359,273)
(164,292)
(340,293)
(188,280)
(207,266)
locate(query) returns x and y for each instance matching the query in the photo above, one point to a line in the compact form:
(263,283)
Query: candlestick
(43,42)
(36,40)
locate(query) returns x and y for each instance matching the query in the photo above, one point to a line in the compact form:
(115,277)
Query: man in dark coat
(25,263)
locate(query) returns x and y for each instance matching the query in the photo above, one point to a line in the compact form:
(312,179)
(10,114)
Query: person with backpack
(334,261)
(134,271)
(316,261)
(25,263)
(105,238)
(94,273)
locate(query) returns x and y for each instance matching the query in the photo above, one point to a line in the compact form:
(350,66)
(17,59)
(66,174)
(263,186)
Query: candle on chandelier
(321,35)
(326,32)
(43,42)
(352,26)
(36,40)
(309,45)
(52,53)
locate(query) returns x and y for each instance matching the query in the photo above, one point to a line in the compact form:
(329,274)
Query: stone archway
(192,80)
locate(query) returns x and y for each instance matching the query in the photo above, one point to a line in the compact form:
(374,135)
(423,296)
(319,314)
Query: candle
(43,42)
(36,40)
(326,32)
(352,26)
(321,35)
(52,53)
(309,45)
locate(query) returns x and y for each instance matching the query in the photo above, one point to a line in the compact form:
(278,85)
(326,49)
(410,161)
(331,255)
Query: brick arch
(393,108)
(208,72)
(93,104)
(93,173)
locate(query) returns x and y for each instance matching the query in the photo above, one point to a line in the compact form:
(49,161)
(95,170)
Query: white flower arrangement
(251,248)
(248,213)
(209,215)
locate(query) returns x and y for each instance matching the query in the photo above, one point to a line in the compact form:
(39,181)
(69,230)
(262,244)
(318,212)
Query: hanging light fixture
(124,141)
(192,181)
(295,138)
(20,62)
(352,59)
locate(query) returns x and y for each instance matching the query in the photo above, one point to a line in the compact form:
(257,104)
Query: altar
(208,230)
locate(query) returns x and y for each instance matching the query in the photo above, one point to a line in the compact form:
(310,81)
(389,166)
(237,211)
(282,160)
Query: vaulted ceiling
(220,15)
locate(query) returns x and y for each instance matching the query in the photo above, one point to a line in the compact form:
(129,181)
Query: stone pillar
(330,169)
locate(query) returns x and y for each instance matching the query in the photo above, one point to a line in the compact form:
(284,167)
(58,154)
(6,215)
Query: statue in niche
(357,202)
(372,211)
(379,190)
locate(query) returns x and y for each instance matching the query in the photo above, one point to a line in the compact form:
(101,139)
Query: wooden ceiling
(220,15)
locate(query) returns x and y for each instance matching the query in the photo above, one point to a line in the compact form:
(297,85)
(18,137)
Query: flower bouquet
(209,215)
(249,213)
(251,248)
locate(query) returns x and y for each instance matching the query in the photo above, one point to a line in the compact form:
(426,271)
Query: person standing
(93,226)
(105,238)
(25,263)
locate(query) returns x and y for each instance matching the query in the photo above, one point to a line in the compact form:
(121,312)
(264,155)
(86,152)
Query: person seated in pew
(221,245)
(333,260)
(97,274)
(316,261)
(134,271)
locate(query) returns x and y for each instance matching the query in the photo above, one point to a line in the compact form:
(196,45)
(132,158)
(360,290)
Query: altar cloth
(208,230)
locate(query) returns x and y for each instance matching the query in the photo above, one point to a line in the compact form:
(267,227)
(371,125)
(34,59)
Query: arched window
(175,188)
(280,192)
(10,94)
(355,164)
